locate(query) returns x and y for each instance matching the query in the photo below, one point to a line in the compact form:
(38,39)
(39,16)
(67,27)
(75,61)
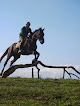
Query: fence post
(63,73)
(38,73)
(32,73)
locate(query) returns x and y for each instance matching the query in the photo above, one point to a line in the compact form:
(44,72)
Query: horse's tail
(5,53)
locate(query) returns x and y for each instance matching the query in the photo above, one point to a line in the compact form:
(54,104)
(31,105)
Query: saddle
(19,42)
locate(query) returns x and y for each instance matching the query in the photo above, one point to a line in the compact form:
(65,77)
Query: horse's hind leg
(15,58)
(8,57)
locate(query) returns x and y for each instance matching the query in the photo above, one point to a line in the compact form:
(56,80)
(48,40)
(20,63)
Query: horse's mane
(36,30)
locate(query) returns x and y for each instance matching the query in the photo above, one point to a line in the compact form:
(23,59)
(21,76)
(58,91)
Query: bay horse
(29,47)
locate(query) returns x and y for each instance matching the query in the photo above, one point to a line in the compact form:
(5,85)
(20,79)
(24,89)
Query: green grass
(39,92)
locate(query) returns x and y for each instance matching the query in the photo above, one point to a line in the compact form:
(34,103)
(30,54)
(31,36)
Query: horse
(29,47)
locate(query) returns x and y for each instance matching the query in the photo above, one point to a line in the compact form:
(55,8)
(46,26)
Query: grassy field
(39,92)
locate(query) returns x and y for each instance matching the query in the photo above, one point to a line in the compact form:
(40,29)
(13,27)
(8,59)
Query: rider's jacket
(24,31)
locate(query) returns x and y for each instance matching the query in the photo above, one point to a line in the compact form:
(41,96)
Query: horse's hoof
(0,74)
(33,61)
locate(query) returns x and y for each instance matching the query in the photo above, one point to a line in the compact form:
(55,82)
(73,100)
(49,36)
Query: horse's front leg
(36,56)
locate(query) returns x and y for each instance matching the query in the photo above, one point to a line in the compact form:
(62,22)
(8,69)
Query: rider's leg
(22,40)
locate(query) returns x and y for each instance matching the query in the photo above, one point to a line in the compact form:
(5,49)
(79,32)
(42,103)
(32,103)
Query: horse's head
(39,35)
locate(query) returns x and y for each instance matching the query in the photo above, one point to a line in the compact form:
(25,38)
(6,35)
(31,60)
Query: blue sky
(61,20)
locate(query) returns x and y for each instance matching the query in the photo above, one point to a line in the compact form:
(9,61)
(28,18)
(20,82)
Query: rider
(24,33)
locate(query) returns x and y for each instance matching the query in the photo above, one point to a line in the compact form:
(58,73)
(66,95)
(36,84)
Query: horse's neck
(30,40)
(33,40)
(35,34)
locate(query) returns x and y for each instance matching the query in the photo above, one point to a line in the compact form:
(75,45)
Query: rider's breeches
(21,39)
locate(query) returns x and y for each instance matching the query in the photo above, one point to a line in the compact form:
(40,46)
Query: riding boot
(20,48)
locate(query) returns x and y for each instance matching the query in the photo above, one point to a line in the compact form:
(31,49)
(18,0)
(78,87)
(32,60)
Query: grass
(39,92)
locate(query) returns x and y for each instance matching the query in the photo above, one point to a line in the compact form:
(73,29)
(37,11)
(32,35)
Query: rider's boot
(20,48)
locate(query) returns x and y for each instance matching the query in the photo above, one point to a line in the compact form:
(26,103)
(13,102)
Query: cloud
(77,67)
(44,73)
(51,73)
(23,73)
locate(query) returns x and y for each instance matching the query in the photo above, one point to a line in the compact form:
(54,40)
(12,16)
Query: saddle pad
(18,45)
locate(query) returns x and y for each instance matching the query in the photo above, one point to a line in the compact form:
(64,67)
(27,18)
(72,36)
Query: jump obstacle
(14,67)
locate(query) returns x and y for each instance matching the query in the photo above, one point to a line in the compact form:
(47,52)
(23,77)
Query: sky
(61,20)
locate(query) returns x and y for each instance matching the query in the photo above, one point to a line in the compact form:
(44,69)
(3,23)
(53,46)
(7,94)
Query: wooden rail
(14,67)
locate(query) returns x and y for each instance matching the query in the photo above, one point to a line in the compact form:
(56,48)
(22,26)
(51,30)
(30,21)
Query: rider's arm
(30,31)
